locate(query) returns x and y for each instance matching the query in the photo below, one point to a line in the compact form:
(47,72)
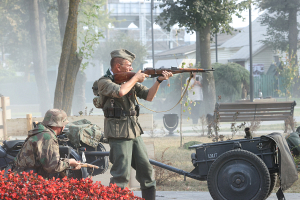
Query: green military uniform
(40,151)
(124,134)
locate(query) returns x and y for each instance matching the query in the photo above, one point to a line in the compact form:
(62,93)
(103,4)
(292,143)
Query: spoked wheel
(238,175)
(101,161)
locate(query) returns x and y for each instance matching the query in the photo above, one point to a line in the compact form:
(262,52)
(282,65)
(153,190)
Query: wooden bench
(254,111)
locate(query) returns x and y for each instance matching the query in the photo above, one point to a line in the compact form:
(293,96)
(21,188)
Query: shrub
(230,79)
(33,186)
(190,143)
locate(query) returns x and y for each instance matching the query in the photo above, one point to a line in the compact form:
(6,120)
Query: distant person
(195,96)
(260,95)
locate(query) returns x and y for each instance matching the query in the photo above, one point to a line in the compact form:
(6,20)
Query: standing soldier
(40,152)
(121,126)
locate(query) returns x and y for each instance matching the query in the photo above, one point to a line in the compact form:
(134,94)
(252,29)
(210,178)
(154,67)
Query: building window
(241,63)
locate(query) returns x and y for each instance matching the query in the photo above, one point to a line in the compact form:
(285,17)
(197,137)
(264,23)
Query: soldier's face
(125,66)
(61,130)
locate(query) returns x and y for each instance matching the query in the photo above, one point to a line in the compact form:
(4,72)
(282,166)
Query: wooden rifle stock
(89,165)
(126,76)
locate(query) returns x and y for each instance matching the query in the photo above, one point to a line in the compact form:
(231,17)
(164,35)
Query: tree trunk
(293,34)
(63,8)
(67,55)
(42,23)
(72,69)
(209,91)
(69,62)
(79,93)
(198,53)
(38,64)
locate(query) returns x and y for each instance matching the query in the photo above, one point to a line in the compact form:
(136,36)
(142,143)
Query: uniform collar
(110,71)
(109,74)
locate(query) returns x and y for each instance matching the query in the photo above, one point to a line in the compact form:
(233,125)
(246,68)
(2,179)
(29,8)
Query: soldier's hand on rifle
(165,75)
(140,76)
(75,164)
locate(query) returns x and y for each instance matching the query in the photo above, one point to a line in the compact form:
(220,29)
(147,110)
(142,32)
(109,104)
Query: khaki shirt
(125,126)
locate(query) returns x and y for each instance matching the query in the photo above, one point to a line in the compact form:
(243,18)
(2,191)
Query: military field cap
(123,53)
(55,117)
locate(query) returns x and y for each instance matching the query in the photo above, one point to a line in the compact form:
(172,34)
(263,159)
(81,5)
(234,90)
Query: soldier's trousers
(125,153)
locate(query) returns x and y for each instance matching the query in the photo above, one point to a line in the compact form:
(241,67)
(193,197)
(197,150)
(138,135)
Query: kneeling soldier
(40,151)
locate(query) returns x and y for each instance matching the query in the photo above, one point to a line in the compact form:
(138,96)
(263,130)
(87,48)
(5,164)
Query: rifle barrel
(126,76)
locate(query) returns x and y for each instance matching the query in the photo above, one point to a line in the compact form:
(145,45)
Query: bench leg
(289,122)
(285,126)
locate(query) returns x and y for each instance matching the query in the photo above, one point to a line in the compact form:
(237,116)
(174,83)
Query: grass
(181,159)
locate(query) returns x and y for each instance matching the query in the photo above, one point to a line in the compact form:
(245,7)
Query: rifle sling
(173,106)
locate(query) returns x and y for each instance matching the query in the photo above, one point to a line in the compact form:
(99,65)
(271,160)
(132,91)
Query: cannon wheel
(238,174)
(103,163)
(273,177)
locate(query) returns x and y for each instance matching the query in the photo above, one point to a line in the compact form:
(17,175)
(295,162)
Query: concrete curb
(184,195)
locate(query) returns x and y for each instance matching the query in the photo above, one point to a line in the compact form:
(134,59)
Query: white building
(231,48)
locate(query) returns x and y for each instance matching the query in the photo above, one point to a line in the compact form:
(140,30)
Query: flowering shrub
(31,186)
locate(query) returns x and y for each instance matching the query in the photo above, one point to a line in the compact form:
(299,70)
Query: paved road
(167,195)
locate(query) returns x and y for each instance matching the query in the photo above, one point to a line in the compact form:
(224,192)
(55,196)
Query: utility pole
(152,6)
(251,64)
(216,41)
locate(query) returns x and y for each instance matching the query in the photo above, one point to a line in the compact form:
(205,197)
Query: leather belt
(113,113)
(128,113)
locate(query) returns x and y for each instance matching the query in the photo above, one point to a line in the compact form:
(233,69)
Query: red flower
(30,186)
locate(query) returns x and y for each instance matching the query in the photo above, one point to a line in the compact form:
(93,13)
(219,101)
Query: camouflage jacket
(125,126)
(41,152)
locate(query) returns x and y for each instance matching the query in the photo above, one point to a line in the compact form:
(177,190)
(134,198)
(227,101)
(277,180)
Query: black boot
(149,194)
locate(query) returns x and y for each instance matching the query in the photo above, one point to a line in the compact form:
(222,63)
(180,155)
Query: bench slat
(259,103)
(261,118)
(257,114)
(253,106)
(253,110)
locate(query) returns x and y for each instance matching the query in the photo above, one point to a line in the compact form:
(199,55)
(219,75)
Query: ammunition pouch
(137,110)
(118,112)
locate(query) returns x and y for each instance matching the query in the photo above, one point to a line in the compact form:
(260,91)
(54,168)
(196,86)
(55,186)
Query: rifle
(152,72)
(89,165)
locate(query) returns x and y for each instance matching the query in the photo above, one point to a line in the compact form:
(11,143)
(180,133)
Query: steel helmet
(55,117)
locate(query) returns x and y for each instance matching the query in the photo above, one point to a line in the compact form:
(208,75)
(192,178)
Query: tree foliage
(14,37)
(194,15)
(281,19)
(14,23)
(90,35)
(203,17)
(230,80)
(85,20)
(290,73)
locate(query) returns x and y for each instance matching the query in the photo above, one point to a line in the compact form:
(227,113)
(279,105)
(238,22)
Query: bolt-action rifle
(126,76)
(89,165)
